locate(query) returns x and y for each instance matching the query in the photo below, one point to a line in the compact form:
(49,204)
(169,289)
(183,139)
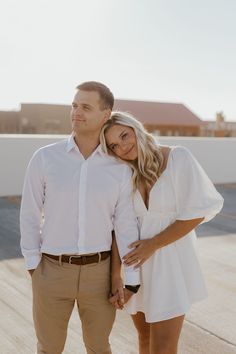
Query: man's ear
(107,115)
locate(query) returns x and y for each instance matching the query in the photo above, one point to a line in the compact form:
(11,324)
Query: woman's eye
(124,136)
(113,147)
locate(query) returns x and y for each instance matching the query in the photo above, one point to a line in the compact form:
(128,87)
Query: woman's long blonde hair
(149,163)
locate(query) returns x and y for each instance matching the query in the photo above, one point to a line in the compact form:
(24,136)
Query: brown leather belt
(81,259)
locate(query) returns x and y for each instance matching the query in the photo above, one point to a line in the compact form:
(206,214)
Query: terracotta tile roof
(159,112)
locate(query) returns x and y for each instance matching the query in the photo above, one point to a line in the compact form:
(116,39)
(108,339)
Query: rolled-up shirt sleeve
(126,227)
(31,211)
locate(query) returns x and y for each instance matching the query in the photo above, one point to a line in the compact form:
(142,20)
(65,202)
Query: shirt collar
(71,144)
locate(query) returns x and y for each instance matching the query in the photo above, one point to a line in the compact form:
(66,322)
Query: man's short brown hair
(106,96)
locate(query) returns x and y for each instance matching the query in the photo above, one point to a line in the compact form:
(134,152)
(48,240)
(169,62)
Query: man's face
(87,113)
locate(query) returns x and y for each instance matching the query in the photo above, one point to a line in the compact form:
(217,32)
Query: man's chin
(78,127)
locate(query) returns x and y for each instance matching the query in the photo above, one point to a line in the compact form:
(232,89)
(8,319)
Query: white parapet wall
(216,155)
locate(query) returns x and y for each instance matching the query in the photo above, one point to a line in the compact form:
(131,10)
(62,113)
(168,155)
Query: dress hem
(165,316)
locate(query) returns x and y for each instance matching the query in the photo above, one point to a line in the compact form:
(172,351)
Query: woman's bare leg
(164,336)
(143,329)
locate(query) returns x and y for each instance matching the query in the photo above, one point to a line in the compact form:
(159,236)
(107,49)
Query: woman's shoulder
(165,150)
(176,152)
(176,156)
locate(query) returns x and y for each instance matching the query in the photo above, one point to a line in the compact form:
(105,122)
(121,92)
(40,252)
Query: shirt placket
(82,206)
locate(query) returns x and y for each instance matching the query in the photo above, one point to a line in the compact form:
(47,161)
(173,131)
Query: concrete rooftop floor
(209,328)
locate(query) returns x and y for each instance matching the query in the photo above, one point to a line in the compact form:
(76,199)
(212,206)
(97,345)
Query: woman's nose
(123,147)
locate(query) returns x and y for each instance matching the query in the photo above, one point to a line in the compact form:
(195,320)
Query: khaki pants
(55,290)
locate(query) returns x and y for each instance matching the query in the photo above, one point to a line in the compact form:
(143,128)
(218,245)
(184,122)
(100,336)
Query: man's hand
(31,271)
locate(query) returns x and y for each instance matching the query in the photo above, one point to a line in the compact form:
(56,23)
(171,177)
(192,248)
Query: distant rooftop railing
(216,155)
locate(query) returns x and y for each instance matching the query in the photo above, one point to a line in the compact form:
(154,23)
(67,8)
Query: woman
(172,195)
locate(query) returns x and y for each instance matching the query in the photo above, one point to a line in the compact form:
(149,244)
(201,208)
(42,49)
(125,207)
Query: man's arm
(119,294)
(31,212)
(125,226)
(116,278)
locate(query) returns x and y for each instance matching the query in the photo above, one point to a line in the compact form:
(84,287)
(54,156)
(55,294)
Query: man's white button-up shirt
(70,205)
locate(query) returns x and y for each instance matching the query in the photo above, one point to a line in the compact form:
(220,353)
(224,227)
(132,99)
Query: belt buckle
(74,256)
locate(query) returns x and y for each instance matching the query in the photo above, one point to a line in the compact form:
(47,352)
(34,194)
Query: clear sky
(157,50)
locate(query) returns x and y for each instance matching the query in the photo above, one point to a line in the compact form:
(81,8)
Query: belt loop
(60,262)
(99,257)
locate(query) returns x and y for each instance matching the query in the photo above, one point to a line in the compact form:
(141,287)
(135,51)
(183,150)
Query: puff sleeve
(196,196)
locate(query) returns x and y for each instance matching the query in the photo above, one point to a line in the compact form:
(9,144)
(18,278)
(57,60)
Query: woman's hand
(143,250)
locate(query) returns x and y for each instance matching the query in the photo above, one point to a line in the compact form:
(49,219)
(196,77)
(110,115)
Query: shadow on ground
(9,228)
(225,222)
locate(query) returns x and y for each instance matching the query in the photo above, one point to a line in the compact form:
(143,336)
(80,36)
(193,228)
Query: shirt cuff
(32,262)
(132,277)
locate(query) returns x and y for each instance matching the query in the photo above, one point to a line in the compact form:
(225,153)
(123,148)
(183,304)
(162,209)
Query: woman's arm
(145,248)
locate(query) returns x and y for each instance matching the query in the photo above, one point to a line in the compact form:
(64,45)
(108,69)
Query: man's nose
(78,111)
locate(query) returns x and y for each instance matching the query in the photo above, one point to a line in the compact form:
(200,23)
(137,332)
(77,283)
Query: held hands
(118,302)
(117,292)
(143,249)
(119,295)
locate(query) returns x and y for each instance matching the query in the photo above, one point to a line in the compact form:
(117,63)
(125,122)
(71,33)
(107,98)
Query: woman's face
(121,140)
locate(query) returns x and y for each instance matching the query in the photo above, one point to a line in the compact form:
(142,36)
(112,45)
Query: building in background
(219,127)
(171,119)
(164,119)
(9,122)
(44,119)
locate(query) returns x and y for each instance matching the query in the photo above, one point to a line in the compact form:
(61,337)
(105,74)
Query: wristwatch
(133,288)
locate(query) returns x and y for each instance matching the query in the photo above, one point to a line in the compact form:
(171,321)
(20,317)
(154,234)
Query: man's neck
(86,143)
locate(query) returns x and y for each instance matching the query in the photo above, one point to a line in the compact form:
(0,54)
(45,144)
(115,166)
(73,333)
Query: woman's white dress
(171,279)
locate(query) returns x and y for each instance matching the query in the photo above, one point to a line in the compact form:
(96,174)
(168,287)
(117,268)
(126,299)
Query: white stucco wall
(216,155)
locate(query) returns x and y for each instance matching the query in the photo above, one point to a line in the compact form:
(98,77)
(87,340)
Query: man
(74,197)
